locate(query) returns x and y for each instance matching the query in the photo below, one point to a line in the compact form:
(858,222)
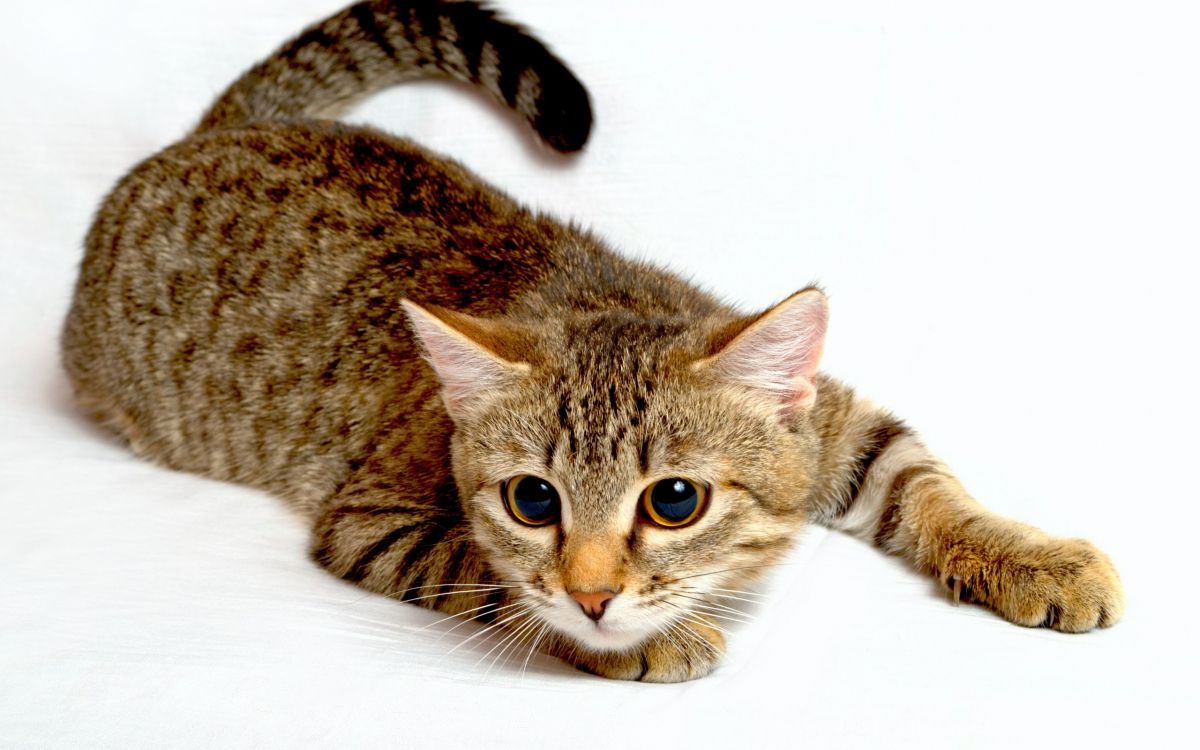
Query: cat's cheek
(513,554)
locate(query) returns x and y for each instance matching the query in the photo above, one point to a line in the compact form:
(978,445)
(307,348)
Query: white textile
(1001,200)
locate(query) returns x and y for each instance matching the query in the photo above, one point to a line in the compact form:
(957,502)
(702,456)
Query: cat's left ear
(778,351)
(471,356)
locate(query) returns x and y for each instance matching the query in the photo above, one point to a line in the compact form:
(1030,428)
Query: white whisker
(533,647)
(529,637)
(709,613)
(451,593)
(719,617)
(509,635)
(481,584)
(730,570)
(701,609)
(456,614)
(685,617)
(675,638)
(698,618)
(693,637)
(516,637)
(716,606)
(740,598)
(476,617)
(498,623)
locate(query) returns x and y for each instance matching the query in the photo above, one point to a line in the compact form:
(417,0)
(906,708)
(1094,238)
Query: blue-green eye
(532,500)
(674,502)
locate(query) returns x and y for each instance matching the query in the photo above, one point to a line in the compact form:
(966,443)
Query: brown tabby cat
(483,410)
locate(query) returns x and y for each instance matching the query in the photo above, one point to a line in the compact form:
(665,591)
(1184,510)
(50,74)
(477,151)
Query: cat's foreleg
(880,483)
(395,541)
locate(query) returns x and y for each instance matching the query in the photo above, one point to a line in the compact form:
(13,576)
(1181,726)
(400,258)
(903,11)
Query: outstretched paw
(1065,584)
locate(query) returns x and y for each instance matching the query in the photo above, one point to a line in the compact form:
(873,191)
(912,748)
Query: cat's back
(315,201)
(243,286)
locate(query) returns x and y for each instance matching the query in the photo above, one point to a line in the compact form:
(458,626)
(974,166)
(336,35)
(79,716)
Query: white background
(1001,199)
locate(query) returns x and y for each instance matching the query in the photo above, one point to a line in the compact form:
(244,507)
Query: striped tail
(376,44)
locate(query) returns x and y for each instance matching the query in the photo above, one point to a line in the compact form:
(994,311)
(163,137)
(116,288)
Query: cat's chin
(600,637)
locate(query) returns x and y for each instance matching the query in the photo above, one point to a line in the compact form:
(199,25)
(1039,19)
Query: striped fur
(884,486)
(309,308)
(376,44)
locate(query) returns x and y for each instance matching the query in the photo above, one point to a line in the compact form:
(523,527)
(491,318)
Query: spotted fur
(368,330)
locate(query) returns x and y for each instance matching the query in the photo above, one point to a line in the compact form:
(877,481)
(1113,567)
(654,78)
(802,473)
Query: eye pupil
(532,500)
(673,502)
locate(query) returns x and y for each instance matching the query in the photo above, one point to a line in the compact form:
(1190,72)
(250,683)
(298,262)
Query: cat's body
(277,346)
(241,313)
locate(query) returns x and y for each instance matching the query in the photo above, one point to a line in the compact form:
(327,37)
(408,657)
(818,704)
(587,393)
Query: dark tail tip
(564,116)
(560,110)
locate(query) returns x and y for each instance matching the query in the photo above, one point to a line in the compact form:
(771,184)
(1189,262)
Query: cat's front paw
(688,651)
(1065,584)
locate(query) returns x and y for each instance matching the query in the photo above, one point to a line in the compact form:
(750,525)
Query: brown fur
(239,314)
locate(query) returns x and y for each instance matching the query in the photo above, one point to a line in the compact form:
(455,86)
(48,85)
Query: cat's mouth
(615,631)
(607,637)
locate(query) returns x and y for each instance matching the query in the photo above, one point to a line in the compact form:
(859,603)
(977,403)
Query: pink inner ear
(780,351)
(462,371)
(465,368)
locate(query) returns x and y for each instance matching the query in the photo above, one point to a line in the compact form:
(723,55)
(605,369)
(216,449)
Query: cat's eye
(531,500)
(674,502)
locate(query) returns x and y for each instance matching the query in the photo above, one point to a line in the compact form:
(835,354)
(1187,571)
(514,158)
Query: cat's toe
(1088,591)
(672,662)
(1063,584)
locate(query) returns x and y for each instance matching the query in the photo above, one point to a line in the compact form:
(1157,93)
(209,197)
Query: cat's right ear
(466,353)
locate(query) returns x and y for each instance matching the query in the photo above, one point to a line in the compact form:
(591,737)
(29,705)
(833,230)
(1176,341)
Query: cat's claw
(1063,584)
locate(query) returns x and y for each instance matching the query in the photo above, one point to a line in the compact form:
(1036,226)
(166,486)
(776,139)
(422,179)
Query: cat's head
(620,468)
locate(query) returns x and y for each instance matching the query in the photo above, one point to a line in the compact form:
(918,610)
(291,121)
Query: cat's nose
(593,603)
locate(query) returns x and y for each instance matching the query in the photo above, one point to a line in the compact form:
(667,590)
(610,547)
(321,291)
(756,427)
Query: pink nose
(592,603)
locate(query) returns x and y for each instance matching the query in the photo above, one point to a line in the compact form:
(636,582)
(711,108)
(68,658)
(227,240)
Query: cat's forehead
(607,373)
(621,335)
(596,417)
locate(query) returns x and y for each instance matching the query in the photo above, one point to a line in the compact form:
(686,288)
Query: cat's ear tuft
(778,351)
(464,352)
